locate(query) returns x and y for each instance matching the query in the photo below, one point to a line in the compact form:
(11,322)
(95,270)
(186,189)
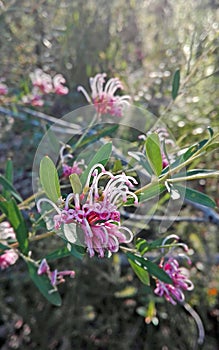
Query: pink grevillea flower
(67,170)
(3,89)
(9,257)
(96,210)
(34,98)
(103,95)
(42,80)
(46,84)
(56,277)
(173,292)
(59,88)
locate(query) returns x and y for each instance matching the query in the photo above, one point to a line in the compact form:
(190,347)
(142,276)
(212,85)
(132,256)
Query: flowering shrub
(81,199)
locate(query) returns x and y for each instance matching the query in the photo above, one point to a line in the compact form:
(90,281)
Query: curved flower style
(97,211)
(56,277)
(173,292)
(67,170)
(58,82)
(103,97)
(9,257)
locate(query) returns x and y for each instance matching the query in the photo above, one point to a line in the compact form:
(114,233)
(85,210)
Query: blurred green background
(143,43)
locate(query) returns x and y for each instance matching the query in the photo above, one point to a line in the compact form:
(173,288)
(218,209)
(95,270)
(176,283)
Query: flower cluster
(44,84)
(173,292)
(67,170)
(56,277)
(96,211)
(10,256)
(103,95)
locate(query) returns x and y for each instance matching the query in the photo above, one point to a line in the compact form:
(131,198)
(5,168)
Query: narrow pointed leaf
(155,190)
(152,146)
(14,216)
(58,254)
(75,183)
(44,285)
(9,189)
(49,179)
(141,273)
(152,268)
(195,196)
(176,84)
(142,160)
(9,171)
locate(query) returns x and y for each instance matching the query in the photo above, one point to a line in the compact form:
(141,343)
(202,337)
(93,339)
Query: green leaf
(175,84)
(3,247)
(212,147)
(9,171)
(151,267)
(153,191)
(117,166)
(211,131)
(76,250)
(185,156)
(9,189)
(152,145)
(97,133)
(194,172)
(195,196)
(44,285)
(49,179)
(58,254)
(102,156)
(141,273)
(14,216)
(143,246)
(142,160)
(75,183)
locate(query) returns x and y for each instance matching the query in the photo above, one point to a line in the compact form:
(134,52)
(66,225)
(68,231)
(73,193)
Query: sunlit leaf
(141,273)
(127,292)
(49,179)
(75,183)
(152,146)
(44,285)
